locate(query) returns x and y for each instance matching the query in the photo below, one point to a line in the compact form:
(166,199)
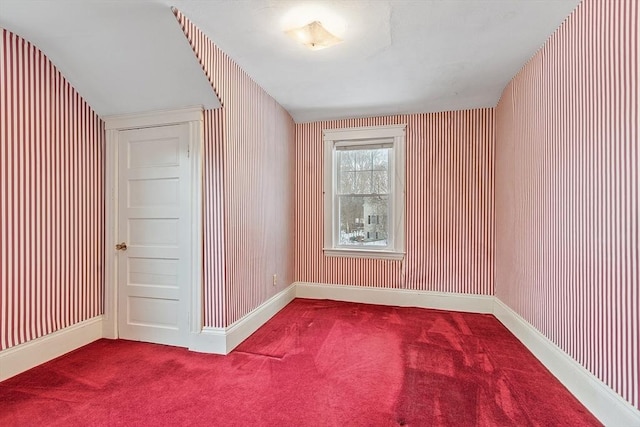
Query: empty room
(319,213)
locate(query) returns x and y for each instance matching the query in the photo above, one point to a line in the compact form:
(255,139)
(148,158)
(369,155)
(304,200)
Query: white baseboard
(397,297)
(240,330)
(609,407)
(40,350)
(209,340)
(224,340)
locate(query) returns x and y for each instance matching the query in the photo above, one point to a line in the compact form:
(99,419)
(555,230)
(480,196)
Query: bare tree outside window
(363,186)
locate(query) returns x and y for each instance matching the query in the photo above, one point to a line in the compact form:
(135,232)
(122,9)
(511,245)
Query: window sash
(390,193)
(359,138)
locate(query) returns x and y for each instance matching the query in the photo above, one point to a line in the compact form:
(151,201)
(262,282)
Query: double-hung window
(364,193)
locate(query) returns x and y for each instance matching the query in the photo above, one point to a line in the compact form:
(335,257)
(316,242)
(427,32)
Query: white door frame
(113,125)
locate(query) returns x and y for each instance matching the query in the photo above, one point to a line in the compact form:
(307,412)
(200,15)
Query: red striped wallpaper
(51,198)
(449,212)
(248,213)
(567,192)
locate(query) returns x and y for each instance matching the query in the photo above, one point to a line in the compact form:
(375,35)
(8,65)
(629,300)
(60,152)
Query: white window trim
(365,136)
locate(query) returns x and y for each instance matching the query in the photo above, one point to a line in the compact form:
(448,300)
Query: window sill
(363,253)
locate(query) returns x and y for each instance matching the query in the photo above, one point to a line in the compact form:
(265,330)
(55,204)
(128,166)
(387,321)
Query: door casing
(113,125)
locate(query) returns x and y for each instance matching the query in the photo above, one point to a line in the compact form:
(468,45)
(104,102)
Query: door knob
(121,246)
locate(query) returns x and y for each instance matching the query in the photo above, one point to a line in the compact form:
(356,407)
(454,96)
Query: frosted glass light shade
(314,36)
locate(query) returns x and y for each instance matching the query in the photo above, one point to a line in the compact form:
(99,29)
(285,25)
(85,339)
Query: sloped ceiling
(121,56)
(402,56)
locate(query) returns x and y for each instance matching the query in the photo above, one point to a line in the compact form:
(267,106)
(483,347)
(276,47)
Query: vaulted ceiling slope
(121,56)
(398,56)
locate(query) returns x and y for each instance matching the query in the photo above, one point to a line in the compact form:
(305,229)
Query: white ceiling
(398,56)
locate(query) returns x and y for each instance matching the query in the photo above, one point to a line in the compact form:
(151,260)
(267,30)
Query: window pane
(363,171)
(380,182)
(363,220)
(346,182)
(362,183)
(346,160)
(362,159)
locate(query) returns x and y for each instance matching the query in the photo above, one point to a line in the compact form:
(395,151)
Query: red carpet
(316,363)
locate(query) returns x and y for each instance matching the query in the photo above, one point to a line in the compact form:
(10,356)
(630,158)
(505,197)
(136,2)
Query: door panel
(153,221)
(154,231)
(154,192)
(153,272)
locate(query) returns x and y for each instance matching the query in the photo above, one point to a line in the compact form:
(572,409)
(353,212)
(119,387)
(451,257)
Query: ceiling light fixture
(314,36)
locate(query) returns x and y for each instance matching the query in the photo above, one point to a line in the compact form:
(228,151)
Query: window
(364,192)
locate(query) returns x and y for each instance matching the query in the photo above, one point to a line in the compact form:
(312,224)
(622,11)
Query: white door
(154,211)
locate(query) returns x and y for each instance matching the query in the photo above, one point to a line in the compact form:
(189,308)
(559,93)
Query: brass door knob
(121,246)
